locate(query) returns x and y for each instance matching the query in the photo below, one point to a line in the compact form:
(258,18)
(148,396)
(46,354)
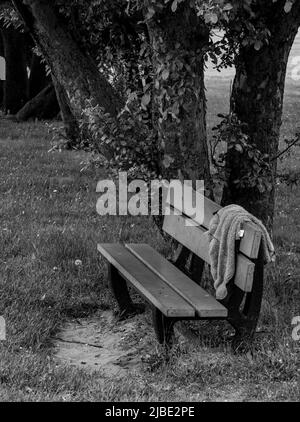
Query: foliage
(243,23)
(127,142)
(231,136)
(116,34)
(8,17)
(110,32)
(255,169)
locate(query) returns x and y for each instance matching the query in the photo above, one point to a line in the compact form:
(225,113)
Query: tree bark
(15,86)
(71,66)
(71,126)
(38,79)
(43,106)
(179,95)
(1,81)
(257,100)
(1,92)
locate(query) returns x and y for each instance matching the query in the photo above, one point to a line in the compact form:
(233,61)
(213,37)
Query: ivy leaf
(168,160)
(211,18)
(288,6)
(165,74)
(214,18)
(228,7)
(239,148)
(151,13)
(146,100)
(258,45)
(174,5)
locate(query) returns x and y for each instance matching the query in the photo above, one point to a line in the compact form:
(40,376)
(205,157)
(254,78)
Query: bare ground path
(120,349)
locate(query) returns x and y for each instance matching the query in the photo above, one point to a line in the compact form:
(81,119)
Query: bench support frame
(196,266)
(120,291)
(243,307)
(163,326)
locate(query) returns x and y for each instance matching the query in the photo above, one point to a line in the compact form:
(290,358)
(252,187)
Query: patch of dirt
(114,348)
(104,344)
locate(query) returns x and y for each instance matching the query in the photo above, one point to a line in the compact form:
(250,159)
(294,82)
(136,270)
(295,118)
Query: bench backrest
(193,235)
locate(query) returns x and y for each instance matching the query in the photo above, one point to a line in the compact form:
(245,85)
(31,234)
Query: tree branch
(294,142)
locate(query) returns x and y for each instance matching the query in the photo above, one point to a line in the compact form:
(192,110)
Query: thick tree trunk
(38,79)
(257,100)
(1,92)
(43,106)
(71,66)
(15,86)
(178,40)
(70,123)
(1,81)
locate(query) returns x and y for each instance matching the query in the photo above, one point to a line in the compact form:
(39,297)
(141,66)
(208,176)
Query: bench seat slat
(146,281)
(204,304)
(196,240)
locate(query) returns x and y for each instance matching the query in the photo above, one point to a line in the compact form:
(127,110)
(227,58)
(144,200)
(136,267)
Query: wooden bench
(173,288)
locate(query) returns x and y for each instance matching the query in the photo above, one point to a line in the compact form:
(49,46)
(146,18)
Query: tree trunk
(1,81)
(38,79)
(43,106)
(257,100)
(1,92)
(15,86)
(71,66)
(70,123)
(178,40)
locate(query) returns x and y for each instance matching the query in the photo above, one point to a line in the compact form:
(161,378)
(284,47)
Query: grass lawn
(48,221)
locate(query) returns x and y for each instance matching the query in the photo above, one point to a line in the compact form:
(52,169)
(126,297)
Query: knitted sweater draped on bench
(225,228)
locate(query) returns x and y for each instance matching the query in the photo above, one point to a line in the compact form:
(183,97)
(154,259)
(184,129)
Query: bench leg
(196,267)
(244,309)
(119,288)
(164,327)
